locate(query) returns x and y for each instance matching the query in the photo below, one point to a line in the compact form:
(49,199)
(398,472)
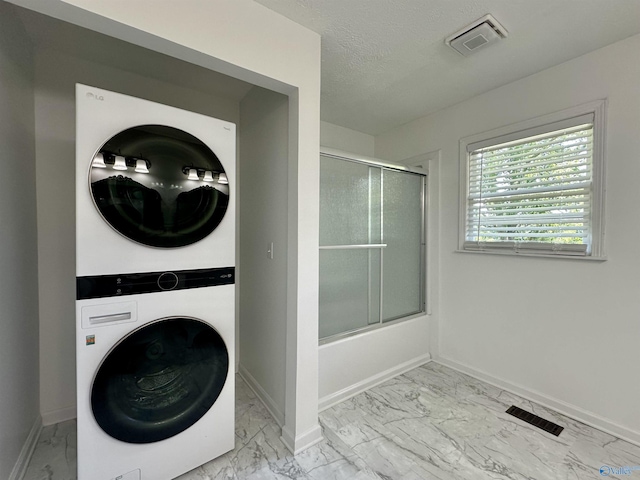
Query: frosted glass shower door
(350,257)
(403,266)
(371,245)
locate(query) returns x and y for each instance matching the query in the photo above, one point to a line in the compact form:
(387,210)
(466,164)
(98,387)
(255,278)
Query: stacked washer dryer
(155,243)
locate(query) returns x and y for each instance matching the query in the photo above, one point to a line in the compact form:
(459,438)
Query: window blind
(532,194)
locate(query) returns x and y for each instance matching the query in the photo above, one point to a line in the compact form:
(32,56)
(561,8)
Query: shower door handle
(353,247)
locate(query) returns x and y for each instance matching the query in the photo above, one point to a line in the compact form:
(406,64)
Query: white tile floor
(430,423)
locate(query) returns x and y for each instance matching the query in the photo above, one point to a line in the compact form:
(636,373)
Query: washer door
(159,380)
(159,186)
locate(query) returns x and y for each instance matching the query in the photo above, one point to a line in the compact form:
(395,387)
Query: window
(536,188)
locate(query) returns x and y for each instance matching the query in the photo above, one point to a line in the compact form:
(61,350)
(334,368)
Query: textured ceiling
(384,62)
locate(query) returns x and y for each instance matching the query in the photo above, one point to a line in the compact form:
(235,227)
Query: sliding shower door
(371,245)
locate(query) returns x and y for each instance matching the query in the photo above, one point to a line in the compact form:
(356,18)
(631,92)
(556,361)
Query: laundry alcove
(65,54)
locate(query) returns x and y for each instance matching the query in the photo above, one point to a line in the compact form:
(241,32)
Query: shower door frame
(373,162)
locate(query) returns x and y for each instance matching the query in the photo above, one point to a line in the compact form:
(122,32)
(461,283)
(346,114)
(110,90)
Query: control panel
(101,286)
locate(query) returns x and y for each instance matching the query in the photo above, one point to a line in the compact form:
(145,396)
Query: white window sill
(538,255)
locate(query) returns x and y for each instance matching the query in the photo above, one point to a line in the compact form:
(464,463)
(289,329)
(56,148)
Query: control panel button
(168,281)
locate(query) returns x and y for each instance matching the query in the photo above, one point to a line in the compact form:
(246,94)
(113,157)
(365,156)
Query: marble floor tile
(333,459)
(432,423)
(265,456)
(251,417)
(54,457)
(599,450)
(217,469)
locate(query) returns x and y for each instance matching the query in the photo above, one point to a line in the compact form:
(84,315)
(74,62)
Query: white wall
(56,75)
(263,135)
(247,43)
(18,245)
(341,138)
(565,332)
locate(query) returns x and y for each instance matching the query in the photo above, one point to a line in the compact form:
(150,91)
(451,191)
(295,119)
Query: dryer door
(159,380)
(159,186)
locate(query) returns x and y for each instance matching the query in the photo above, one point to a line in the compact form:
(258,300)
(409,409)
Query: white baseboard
(567,409)
(332,399)
(264,397)
(57,416)
(20,467)
(302,441)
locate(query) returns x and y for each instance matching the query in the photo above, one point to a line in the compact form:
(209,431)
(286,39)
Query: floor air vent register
(535,420)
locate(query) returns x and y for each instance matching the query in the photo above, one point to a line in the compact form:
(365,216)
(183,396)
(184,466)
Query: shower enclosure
(372,244)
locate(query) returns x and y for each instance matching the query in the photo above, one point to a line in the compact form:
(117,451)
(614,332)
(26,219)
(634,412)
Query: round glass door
(159,186)
(159,380)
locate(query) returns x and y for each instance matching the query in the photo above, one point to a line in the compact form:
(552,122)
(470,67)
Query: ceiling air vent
(473,37)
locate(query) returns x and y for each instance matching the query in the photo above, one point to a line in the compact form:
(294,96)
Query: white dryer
(155,311)
(155,186)
(155,381)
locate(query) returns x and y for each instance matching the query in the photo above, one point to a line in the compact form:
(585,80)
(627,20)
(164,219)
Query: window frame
(526,129)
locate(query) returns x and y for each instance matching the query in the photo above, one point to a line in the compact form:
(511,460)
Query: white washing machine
(155,186)
(155,305)
(155,377)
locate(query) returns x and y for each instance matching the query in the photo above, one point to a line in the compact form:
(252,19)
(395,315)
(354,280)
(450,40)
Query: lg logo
(95,97)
